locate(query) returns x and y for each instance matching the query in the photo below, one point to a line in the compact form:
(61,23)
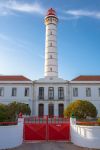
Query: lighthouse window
(51,44)
(51,33)
(50,69)
(50,56)
(51,19)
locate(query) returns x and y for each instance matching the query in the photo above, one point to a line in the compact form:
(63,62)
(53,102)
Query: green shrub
(81,109)
(3,112)
(98,120)
(10,112)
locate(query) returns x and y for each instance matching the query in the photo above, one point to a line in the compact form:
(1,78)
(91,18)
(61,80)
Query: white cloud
(11,6)
(7,42)
(83,13)
(68,18)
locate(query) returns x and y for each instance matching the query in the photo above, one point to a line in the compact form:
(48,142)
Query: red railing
(45,119)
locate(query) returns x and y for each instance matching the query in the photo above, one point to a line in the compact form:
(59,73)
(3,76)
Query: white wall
(11,136)
(20,92)
(85,136)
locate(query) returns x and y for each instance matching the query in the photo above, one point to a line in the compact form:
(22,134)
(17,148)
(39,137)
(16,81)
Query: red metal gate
(45,128)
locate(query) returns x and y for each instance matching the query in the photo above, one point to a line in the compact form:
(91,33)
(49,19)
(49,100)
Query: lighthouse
(51,57)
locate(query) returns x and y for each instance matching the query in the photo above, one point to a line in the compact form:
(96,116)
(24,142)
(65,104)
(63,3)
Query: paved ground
(49,146)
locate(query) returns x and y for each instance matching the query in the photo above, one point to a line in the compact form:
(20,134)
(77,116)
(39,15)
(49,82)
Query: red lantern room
(51,12)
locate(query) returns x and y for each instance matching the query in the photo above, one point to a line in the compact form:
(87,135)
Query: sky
(22,37)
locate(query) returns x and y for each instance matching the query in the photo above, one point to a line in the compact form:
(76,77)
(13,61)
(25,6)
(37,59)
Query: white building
(49,95)
(86,88)
(16,88)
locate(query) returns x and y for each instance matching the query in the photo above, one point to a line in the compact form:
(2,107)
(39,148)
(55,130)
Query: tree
(81,109)
(10,112)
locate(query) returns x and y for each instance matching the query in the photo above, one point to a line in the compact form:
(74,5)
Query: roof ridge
(87,78)
(14,78)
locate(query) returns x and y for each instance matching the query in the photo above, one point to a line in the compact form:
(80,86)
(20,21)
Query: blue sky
(22,37)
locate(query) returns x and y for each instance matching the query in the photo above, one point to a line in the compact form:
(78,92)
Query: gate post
(47,127)
(21,125)
(72,125)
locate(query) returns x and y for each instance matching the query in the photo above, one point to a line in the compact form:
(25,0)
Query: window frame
(49,94)
(60,92)
(99,91)
(75,91)
(14,92)
(41,96)
(26,88)
(2,91)
(88,92)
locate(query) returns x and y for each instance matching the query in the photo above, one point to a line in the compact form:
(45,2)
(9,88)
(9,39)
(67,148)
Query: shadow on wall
(85,136)
(11,136)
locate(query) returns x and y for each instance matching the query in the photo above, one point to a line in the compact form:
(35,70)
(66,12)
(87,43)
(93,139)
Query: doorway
(61,110)
(51,110)
(41,110)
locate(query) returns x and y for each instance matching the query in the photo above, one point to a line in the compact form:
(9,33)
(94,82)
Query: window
(14,91)
(1,91)
(26,92)
(60,93)
(50,69)
(51,33)
(50,44)
(51,93)
(41,92)
(99,91)
(50,56)
(88,92)
(75,92)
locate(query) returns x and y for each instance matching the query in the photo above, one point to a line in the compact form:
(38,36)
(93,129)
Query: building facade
(51,94)
(16,88)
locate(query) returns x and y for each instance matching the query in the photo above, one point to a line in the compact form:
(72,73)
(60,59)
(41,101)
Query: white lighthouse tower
(51,58)
(50,92)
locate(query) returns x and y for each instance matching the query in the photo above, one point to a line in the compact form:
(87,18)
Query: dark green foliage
(3,112)
(10,112)
(81,109)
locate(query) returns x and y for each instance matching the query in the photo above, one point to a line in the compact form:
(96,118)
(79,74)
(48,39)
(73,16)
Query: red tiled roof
(13,78)
(87,78)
